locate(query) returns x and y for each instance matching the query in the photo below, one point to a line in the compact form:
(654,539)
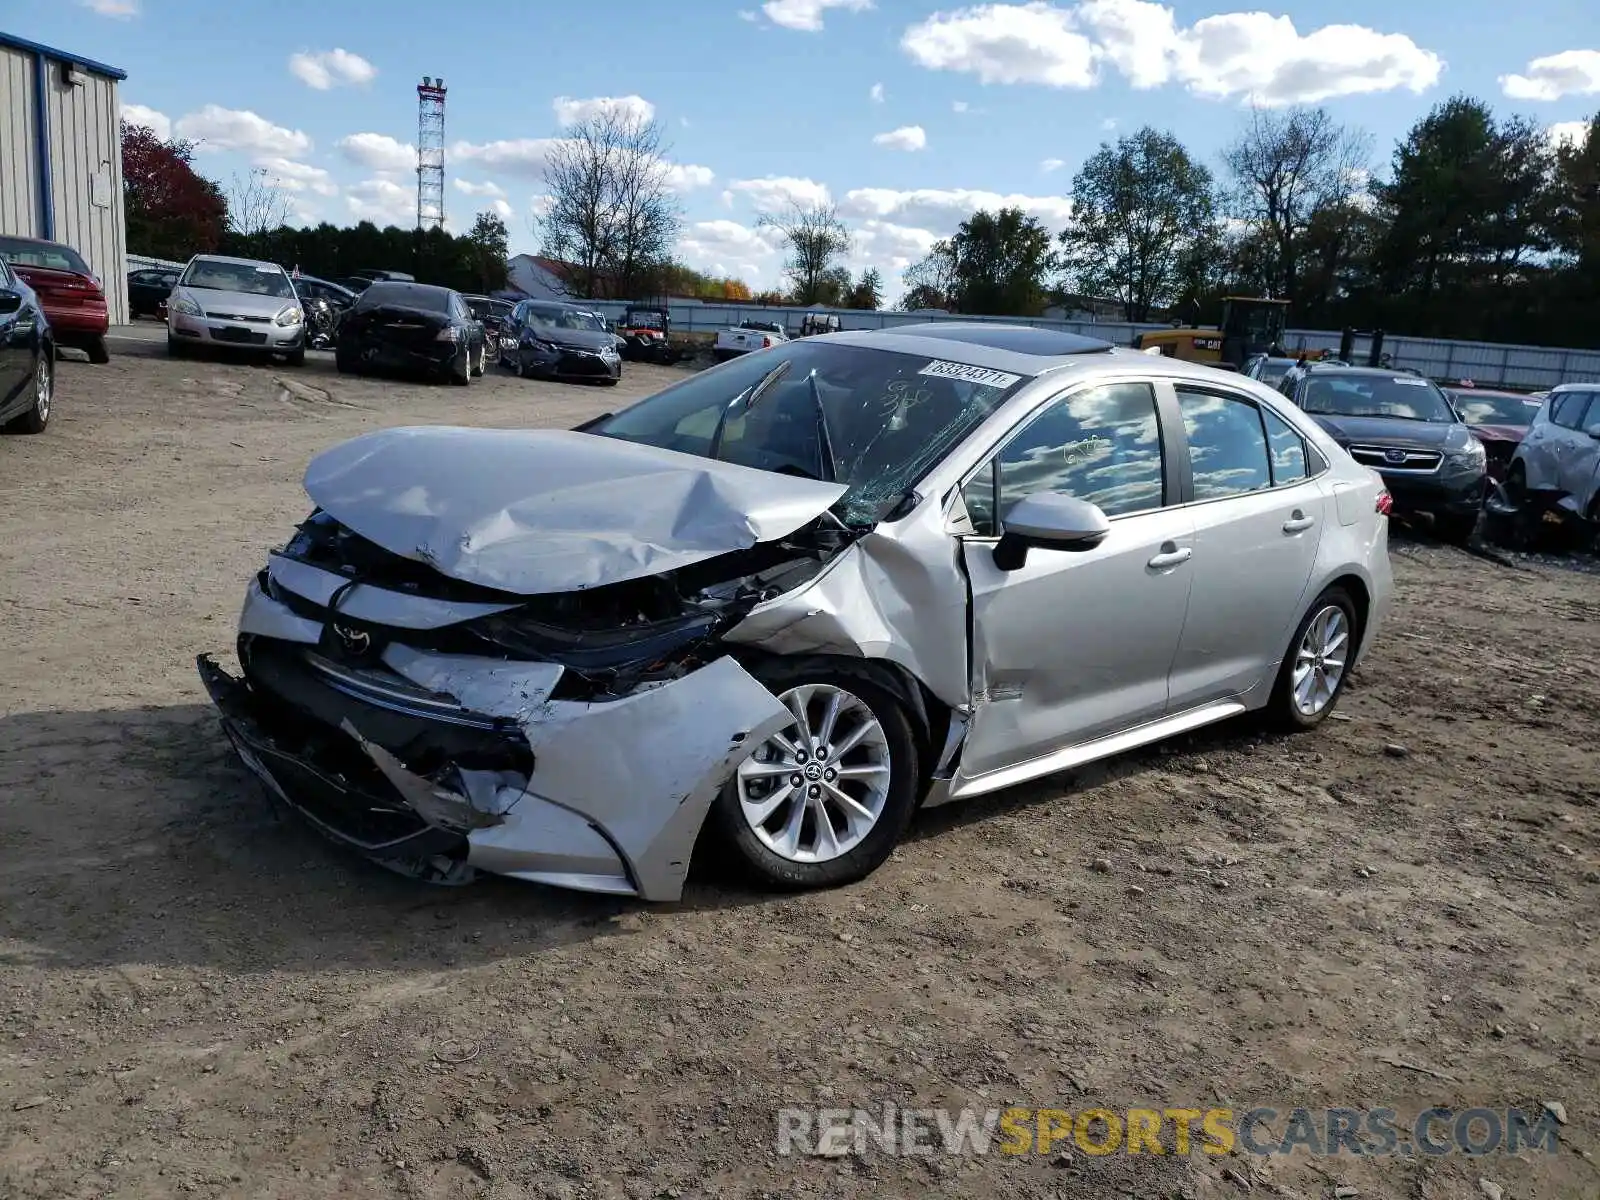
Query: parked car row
(69,292)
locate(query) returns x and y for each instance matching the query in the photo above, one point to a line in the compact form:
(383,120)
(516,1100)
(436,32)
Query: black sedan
(27,357)
(411,327)
(148,290)
(1403,427)
(547,340)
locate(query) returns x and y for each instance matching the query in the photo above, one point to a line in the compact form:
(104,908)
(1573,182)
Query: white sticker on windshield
(1412,381)
(268,271)
(971,374)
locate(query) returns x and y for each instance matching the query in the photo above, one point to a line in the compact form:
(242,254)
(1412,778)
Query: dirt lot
(198,998)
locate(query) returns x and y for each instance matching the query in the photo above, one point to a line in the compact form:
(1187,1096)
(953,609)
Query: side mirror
(10,301)
(1049,521)
(1594,432)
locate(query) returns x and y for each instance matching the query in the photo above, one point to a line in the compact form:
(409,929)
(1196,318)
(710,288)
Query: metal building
(61,158)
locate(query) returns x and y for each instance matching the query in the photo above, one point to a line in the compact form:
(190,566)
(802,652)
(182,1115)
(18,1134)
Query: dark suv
(1405,428)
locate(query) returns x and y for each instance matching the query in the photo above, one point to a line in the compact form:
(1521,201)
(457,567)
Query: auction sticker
(971,374)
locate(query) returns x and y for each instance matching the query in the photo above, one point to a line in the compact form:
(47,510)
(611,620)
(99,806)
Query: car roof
(235,262)
(1377,372)
(1022,349)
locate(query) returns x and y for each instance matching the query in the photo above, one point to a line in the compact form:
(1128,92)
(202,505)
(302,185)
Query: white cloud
(888,247)
(1570,73)
(520,156)
(378,152)
(776,192)
(942,209)
(685,177)
(467,188)
(746,15)
(1568,133)
(571,112)
(330,68)
(876,93)
(1252,55)
(383,202)
(1005,43)
(216,128)
(294,176)
(502,208)
(729,248)
(1108,124)
(907,137)
(959,106)
(113,8)
(807,14)
(157,123)
(1052,164)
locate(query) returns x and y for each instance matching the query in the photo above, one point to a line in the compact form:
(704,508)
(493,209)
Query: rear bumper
(80,321)
(382,355)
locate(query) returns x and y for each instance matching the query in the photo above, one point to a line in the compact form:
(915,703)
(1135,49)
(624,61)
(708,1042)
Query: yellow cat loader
(1250,325)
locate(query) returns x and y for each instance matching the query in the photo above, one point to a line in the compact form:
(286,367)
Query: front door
(1579,453)
(1075,645)
(1258,520)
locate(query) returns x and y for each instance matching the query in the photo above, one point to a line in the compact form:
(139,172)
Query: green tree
(1141,210)
(816,239)
(488,246)
(996,264)
(867,292)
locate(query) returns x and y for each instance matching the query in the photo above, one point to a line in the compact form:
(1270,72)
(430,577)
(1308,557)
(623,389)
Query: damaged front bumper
(440,766)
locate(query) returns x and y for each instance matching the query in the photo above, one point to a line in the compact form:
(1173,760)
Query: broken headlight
(644,645)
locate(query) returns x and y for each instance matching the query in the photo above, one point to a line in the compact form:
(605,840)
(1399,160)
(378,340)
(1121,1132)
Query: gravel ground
(197,998)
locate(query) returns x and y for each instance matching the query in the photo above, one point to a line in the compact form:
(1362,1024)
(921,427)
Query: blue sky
(906,113)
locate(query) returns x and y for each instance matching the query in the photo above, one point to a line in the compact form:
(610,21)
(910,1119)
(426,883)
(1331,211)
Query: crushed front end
(575,738)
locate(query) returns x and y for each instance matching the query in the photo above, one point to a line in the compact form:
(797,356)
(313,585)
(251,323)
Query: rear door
(1548,441)
(1258,519)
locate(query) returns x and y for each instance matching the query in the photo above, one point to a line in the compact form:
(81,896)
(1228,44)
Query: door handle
(1170,558)
(1297,523)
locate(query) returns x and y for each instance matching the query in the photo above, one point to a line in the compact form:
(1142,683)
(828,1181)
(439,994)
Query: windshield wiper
(753,394)
(830,464)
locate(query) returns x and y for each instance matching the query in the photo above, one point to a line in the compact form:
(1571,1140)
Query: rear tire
(461,373)
(97,350)
(483,362)
(1294,705)
(871,733)
(43,386)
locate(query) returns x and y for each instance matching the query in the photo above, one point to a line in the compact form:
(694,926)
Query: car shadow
(135,836)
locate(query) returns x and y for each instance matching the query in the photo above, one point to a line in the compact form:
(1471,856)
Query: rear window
(407,295)
(24,253)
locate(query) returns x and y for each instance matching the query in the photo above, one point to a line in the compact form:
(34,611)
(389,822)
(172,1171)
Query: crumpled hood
(533,511)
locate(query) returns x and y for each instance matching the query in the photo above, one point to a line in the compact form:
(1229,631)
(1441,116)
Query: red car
(68,291)
(1497,419)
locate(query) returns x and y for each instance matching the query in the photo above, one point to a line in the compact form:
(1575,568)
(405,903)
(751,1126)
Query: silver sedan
(780,605)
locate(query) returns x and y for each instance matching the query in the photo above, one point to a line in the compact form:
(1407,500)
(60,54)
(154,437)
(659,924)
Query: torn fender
(536,511)
(897,594)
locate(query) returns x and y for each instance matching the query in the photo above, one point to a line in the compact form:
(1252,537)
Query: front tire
(1317,664)
(1457,530)
(43,385)
(175,348)
(296,358)
(852,750)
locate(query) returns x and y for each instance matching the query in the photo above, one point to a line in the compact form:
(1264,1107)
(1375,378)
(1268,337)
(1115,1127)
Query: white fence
(1485,363)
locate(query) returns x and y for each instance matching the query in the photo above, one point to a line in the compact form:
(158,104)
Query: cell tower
(430,153)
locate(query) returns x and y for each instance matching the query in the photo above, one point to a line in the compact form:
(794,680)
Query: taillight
(1385,502)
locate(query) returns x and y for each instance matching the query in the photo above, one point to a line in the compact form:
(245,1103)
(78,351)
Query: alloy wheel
(1319,660)
(814,790)
(43,383)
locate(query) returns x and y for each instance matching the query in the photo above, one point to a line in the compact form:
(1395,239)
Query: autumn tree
(816,239)
(1143,222)
(613,217)
(171,211)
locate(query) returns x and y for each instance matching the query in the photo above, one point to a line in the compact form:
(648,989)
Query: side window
(1567,408)
(1590,417)
(1227,444)
(1102,444)
(1288,450)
